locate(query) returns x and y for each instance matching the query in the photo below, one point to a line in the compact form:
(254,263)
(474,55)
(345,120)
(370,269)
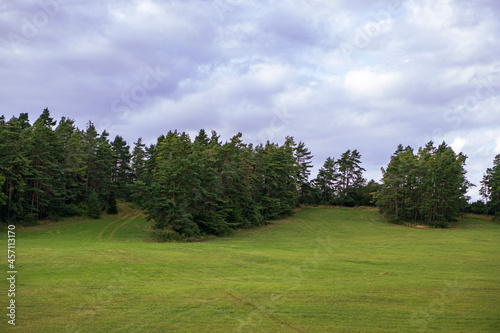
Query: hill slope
(323,270)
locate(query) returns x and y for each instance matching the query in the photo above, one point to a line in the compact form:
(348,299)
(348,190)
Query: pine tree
(175,185)
(74,168)
(90,155)
(16,167)
(139,158)
(490,189)
(302,164)
(349,176)
(277,190)
(103,168)
(429,187)
(47,196)
(121,173)
(326,181)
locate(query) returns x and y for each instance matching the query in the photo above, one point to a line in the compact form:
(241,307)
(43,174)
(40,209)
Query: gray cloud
(334,74)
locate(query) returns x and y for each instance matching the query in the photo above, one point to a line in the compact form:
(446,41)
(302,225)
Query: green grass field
(322,270)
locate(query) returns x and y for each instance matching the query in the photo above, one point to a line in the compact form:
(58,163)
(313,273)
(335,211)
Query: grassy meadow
(322,270)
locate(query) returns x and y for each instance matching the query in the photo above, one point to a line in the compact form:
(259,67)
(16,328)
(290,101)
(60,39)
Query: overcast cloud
(335,74)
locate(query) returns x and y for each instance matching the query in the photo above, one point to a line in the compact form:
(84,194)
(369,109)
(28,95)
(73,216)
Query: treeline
(204,186)
(54,172)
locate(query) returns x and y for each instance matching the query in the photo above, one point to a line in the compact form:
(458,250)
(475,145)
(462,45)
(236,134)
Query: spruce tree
(17,168)
(490,189)
(139,158)
(326,181)
(121,172)
(46,192)
(94,207)
(349,176)
(429,187)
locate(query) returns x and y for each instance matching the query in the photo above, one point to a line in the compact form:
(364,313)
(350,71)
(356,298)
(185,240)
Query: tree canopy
(428,187)
(490,189)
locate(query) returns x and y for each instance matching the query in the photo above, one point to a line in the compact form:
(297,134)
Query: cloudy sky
(335,74)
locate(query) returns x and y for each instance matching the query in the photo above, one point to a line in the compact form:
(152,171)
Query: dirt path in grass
(99,236)
(123,223)
(125,214)
(270,226)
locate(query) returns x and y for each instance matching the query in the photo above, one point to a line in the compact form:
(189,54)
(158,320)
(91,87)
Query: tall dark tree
(103,168)
(326,181)
(16,167)
(349,176)
(46,154)
(277,190)
(429,187)
(303,165)
(175,184)
(121,173)
(74,166)
(340,182)
(139,160)
(99,161)
(490,188)
(236,181)
(399,179)
(90,155)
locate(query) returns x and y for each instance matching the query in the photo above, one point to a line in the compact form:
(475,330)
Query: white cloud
(429,71)
(371,84)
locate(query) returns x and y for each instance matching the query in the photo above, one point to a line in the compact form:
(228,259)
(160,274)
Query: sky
(334,74)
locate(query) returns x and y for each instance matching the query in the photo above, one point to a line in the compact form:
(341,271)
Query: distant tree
(341,182)
(121,172)
(429,187)
(326,181)
(16,167)
(74,167)
(90,155)
(303,166)
(202,139)
(477,207)
(365,195)
(490,189)
(399,182)
(139,160)
(277,188)
(349,176)
(70,160)
(46,153)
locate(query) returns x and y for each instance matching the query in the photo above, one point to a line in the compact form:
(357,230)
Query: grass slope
(323,270)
